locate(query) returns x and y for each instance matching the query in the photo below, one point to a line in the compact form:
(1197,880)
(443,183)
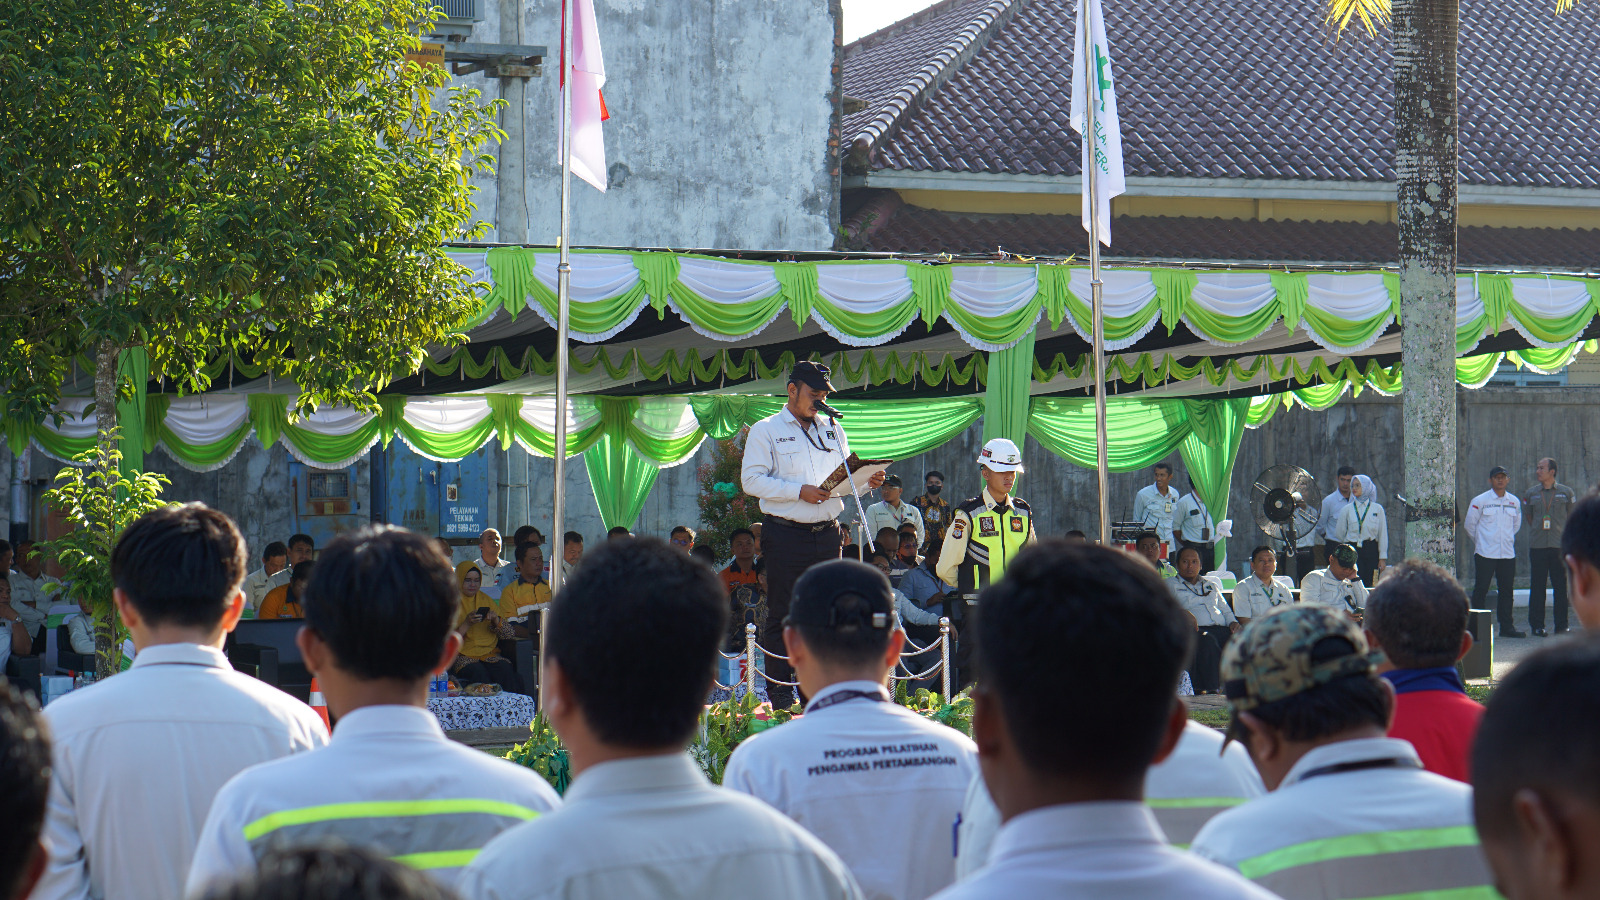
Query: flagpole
(1090,184)
(563,310)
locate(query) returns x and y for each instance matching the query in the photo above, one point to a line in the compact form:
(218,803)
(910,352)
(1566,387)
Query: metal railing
(942,667)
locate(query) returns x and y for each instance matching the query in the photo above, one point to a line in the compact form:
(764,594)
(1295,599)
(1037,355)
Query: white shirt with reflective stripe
(137,759)
(655,827)
(1184,791)
(1095,850)
(1416,829)
(389,781)
(876,782)
(780,458)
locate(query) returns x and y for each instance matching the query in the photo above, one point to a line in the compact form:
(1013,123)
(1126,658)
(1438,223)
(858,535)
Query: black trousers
(498,671)
(1502,571)
(1367,556)
(788,550)
(1205,672)
(1543,563)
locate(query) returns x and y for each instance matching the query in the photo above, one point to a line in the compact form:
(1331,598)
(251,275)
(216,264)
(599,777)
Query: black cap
(891,481)
(812,375)
(840,593)
(1498,470)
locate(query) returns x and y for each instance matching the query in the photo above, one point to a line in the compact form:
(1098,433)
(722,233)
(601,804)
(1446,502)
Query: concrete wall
(719,131)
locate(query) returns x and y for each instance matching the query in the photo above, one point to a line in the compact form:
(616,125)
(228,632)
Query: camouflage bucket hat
(1345,554)
(1271,658)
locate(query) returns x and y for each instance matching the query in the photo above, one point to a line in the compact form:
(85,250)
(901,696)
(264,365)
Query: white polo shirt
(1095,850)
(1492,522)
(1204,601)
(1253,599)
(881,515)
(781,456)
(390,781)
(1322,586)
(138,758)
(1156,509)
(876,782)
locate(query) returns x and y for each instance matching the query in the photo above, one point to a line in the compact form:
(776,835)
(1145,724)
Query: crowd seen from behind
(1353,765)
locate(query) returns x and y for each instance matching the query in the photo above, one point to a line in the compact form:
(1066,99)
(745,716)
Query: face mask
(934,489)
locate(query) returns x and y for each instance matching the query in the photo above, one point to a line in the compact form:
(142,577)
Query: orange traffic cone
(319,704)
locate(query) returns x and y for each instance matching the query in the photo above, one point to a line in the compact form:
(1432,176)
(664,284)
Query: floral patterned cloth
(504,710)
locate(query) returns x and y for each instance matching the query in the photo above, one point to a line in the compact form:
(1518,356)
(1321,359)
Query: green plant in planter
(955,713)
(730,723)
(99,503)
(543,753)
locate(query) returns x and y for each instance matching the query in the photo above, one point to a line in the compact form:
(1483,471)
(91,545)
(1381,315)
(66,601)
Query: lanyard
(844,697)
(1270,589)
(1205,589)
(816,441)
(1361,516)
(1206,513)
(1361,765)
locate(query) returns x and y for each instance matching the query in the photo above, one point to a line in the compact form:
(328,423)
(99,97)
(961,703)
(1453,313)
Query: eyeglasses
(680,543)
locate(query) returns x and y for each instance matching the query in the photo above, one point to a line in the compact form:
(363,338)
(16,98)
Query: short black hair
(852,551)
(682,529)
(1418,612)
(1260,549)
(276,548)
(24,783)
(933,473)
(1343,704)
(889,528)
(523,549)
(1146,535)
(734,534)
(619,531)
(639,607)
(1166,467)
(571,537)
(1347,470)
(5,546)
(180,565)
(1552,461)
(330,871)
(297,539)
(302,570)
(1541,731)
(1097,619)
(524,534)
(384,601)
(1188,548)
(1580,539)
(908,535)
(876,554)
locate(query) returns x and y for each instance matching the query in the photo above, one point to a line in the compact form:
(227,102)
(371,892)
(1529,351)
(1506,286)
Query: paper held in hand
(837,485)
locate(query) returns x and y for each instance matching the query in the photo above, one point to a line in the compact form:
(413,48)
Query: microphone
(823,407)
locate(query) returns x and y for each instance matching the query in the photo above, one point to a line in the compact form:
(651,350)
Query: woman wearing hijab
(482,624)
(1365,527)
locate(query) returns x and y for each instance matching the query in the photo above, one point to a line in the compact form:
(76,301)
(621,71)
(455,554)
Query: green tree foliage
(98,504)
(724,506)
(202,177)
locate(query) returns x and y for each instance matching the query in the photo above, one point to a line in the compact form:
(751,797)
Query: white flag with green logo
(1091,68)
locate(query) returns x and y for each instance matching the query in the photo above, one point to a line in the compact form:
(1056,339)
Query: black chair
(68,660)
(524,655)
(265,649)
(26,672)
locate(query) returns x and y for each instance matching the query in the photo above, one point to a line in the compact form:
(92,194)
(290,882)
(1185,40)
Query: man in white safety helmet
(986,531)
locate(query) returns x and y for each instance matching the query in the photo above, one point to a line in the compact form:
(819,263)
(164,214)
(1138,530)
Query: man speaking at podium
(786,457)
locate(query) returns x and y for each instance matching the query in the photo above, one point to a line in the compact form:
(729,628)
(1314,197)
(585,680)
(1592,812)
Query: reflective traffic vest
(992,538)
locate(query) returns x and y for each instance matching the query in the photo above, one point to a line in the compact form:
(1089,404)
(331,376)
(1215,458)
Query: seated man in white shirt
(1338,586)
(1261,593)
(274,559)
(140,756)
(380,612)
(1070,790)
(14,639)
(1214,620)
(24,789)
(857,761)
(640,820)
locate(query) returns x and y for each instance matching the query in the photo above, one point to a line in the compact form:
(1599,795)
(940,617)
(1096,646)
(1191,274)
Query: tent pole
(1085,52)
(563,310)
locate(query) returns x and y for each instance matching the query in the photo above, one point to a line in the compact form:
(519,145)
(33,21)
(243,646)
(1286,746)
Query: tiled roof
(885,226)
(1233,89)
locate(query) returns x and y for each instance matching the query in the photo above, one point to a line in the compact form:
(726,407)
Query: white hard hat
(1000,455)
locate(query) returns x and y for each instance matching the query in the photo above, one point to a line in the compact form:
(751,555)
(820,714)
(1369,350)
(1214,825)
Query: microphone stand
(861,511)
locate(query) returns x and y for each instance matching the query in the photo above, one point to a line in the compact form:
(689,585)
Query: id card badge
(1205,535)
(1546,523)
(1166,508)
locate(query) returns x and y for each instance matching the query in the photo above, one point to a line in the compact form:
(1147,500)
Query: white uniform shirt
(138,758)
(881,515)
(1184,791)
(1156,510)
(1328,522)
(1204,601)
(1363,521)
(258,583)
(1254,599)
(655,827)
(1306,814)
(780,457)
(1322,586)
(876,782)
(32,600)
(378,755)
(1192,521)
(80,634)
(1095,850)
(497,576)
(1492,523)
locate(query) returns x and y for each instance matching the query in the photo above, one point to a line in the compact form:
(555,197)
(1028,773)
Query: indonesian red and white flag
(588,73)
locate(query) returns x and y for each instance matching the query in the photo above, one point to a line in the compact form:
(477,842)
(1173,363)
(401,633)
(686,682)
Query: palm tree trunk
(105,422)
(1425,119)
